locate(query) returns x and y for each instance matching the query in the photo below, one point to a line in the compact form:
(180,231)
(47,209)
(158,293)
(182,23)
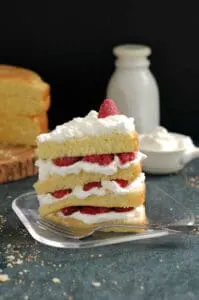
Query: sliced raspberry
(92,210)
(123,183)
(69,210)
(108,108)
(65,161)
(126,157)
(90,185)
(61,193)
(123,209)
(101,159)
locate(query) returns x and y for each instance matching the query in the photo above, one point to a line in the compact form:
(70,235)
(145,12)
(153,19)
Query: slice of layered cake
(90,171)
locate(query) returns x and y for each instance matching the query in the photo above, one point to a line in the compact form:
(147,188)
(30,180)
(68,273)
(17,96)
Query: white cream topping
(90,125)
(104,217)
(47,167)
(110,186)
(161,140)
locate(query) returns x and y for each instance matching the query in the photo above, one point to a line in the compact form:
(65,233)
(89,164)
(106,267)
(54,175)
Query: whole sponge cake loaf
(22,92)
(90,171)
(24,104)
(22,130)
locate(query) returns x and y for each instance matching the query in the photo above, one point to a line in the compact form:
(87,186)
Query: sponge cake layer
(133,199)
(114,143)
(57,182)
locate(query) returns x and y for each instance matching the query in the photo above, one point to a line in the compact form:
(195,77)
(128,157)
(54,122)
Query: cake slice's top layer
(89,125)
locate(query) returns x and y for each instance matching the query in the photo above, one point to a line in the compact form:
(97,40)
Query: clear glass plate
(160,207)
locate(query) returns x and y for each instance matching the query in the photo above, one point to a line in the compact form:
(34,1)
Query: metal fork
(77,233)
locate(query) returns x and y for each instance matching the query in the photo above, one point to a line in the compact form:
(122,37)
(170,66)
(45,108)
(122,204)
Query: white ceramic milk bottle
(133,87)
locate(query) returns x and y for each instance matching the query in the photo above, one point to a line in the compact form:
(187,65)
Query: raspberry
(123,209)
(123,183)
(101,159)
(126,156)
(91,210)
(69,210)
(65,161)
(108,108)
(90,185)
(61,193)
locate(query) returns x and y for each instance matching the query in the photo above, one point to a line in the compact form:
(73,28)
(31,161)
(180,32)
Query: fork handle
(187,229)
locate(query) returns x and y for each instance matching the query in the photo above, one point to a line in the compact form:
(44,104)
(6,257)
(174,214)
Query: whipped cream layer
(110,186)
(47,167)
(90,125)
(105,217)
(161,140)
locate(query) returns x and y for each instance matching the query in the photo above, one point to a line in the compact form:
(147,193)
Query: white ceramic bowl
(165,162)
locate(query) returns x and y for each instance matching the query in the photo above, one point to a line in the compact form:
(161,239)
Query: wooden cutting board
(16,162)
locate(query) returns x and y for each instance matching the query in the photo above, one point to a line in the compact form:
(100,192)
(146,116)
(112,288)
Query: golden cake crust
(9,72)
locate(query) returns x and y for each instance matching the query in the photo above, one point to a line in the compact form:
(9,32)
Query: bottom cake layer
(77,220)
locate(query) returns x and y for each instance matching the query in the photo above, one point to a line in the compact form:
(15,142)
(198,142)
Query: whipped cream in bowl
(167,152)
(162,140)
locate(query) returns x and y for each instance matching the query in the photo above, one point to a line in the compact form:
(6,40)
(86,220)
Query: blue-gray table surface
(165,268)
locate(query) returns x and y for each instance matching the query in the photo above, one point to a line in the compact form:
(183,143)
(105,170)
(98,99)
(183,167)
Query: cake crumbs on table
(42,263)
(2,222)
(56,280)
(4,277)
(193,182)
(141,287)
(96,283)
(12,260)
